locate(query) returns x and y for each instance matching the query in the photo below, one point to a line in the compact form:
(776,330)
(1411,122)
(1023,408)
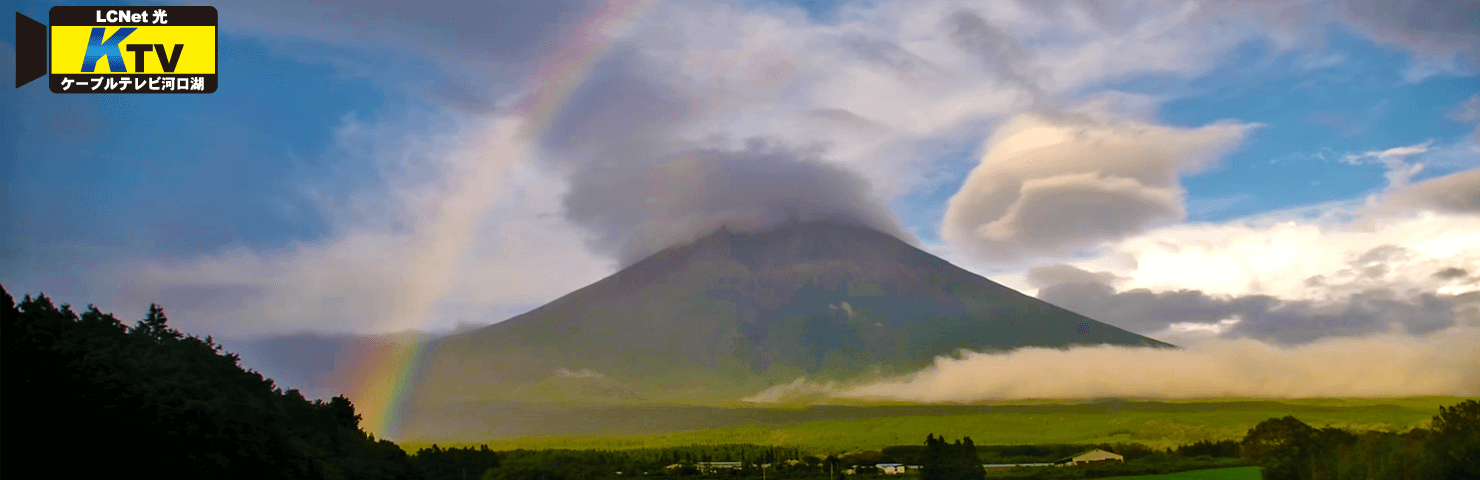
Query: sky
(1279,171)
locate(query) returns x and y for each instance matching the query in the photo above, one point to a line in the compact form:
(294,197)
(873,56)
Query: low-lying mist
(1446,362)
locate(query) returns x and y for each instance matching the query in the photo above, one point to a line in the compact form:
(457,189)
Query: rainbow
(383,375)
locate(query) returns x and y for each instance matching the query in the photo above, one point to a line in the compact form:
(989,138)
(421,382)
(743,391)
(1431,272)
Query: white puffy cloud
(1297,259)
(1053,186)
(1401,263)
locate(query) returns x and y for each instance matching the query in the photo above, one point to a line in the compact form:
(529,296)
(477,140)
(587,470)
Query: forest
(88,395)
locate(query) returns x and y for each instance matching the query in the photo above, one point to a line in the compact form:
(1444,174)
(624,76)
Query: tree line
(1284,449)
(1288,449)
(950,461)
(88,396)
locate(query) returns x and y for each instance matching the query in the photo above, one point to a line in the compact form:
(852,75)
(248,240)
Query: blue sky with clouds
(334,155)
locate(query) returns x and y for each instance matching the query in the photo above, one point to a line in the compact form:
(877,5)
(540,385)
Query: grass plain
(836,429)
(1240,473)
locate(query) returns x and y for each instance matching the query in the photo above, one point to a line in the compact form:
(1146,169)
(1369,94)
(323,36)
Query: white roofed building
(1090,457)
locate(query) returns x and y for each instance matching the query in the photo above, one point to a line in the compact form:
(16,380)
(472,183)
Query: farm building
(891,468)
(1089,457)
(707,467)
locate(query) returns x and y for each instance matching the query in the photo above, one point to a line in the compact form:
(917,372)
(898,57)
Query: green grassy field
(1240,473)
(838,429)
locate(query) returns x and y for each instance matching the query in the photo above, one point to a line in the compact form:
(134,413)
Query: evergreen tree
(950,461)
(971,464)
(932,460)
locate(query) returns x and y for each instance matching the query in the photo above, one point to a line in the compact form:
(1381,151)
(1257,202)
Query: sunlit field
(835,429)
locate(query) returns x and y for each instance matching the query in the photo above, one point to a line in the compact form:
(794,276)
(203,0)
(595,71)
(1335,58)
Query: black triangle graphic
(30,50)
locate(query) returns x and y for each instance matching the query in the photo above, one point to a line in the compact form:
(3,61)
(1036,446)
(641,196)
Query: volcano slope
(731,314)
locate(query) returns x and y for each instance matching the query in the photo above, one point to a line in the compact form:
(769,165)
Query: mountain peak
(738,311)
(795,242)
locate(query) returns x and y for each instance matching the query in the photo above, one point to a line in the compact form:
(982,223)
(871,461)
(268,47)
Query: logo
(120,50)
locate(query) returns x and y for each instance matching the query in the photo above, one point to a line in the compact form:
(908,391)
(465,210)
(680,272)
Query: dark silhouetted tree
(162,404)
(1282,448)
(950,461)
(1454,448)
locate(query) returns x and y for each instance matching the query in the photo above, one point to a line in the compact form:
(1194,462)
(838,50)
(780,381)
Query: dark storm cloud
(1260,316)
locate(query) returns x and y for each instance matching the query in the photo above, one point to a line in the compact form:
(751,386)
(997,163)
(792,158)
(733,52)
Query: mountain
(733,313)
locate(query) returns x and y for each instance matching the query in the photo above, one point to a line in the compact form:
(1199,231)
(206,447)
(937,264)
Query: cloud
(1451,193)
(1261,317)
(655,145)
(480,51)
(1400,171)
(1296,258)
(798,388)
(1455,193)
(1289,277)
(1441,363)
(451,231)
(1051,186)
(1445,29)
(1452,273)
(848,98)
(1442,37)
(893,77)
(1003,56)
(1468,111)
(1040,277)
(1293,276)
(636,213)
